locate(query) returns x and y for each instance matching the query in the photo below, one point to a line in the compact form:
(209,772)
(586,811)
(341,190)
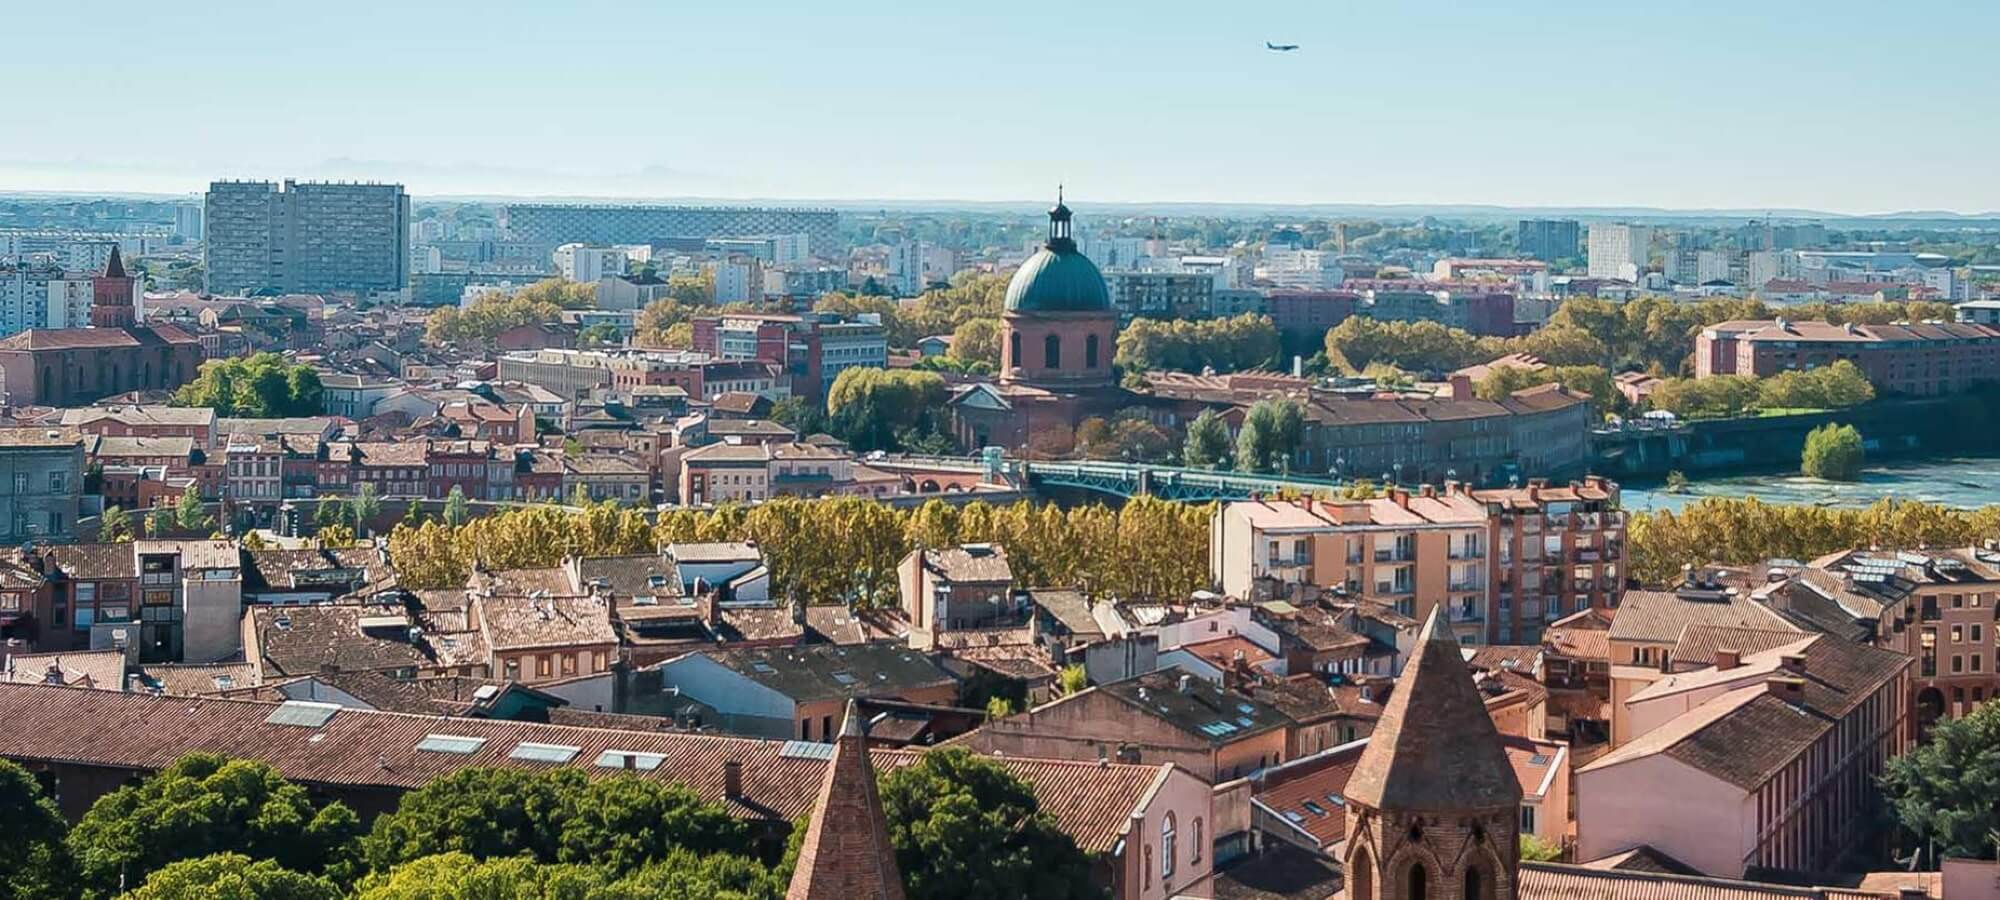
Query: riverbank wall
(1901,428)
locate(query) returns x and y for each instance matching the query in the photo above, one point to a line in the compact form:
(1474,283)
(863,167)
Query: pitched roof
(1201,709)
(100,669)
(1091,801)
(1555,881)
(846,854)
(1661,616)
(1435,747)
(513,621)
(833,671)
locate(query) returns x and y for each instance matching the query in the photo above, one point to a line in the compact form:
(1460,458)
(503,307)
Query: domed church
(1058,335)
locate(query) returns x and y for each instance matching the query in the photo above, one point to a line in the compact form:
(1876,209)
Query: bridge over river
(1118,479)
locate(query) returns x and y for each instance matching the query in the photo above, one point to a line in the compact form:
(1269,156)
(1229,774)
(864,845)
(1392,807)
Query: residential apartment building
(306,237)
(813,348)
(605,225)
(1411,552)
(1935,606)
(1161,295)
(1619,252)
(1467,306)
(1300,270)
(43,297)
(581,262)
(1502,563)
(1557,549)
(1647,633)
(1548,240)
(1541,431)
(41,484)
(1766,760)
(1919,358)
(753,470)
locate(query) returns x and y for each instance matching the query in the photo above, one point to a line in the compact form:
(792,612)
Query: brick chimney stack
(1726,659)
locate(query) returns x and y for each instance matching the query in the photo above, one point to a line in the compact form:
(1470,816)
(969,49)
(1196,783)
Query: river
(1962,483)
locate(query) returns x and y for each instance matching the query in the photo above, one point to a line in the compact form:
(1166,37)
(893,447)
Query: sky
(1838,105)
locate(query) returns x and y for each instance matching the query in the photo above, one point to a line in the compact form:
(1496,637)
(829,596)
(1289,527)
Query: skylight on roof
(1314,808)
(621,759)
(843,677)
(806,750)
(761,667)
(451,743)
(530,751)
(1538,760)
(1295,816)
(302,713)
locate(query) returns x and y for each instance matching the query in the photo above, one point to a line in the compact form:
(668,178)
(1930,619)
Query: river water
(1965,483)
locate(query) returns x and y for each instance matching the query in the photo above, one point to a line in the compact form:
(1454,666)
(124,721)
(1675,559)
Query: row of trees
(1746,531)
(262,385)
(890,409)
(212,828)
(1837,386)
(825,550)
(1242,343)
(488,316)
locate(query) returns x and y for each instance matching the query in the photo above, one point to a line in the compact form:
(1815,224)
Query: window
(1418,883)
(1194,849)
(1090,352)
(1167,847)
(1052,351)
(1527,819)
(56,482)
(1958,634)
(541,666)
(1014,349)
(568,664)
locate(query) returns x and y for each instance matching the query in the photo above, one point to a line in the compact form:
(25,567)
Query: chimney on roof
(1427,491)
(1794,663)
(1186,684)
(1791,690)
(1461,387)
(54,675)
(1726,659)
(732,778)
(1400,496)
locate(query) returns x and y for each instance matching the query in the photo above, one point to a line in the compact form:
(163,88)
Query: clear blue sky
(1842,105)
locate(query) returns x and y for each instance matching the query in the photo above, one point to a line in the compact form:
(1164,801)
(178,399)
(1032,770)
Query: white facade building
(43,298)
(738,279)
(579,262)
(1619,251)
(1302,270)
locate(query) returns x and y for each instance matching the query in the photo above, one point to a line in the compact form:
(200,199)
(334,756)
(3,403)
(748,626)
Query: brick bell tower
(1433,809)
(111,296)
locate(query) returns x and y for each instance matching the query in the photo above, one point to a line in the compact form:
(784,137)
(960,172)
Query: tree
(413,515)
(160,521)
(1534,849)
(884,409)
(1128,435)
(800,415)
(999,707)
(602,334)
(232,876)
(1240,343)
(37,863)
(335,536)
(203,804)
(1271,432)
(363,506)
(964,827)
(253,540)
(114,526)
(977,340)
(455,508)
(1072,679)
(656,323)
(553,816)
(1943,792)
(459,876)
(1829,387)
(262,385)
(1207,444)
(189,514)
(1832,452)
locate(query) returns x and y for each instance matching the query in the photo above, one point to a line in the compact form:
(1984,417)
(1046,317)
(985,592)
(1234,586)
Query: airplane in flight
(1281,48)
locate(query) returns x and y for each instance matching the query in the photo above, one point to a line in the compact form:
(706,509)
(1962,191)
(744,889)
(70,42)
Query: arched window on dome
(1013,350)
(1090,352)
(1052,351)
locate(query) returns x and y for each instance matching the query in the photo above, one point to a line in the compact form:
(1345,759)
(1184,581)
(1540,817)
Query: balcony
(1589,555)
(1465,587)
(1466,553)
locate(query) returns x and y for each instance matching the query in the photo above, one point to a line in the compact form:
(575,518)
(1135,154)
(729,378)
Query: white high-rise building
(1301,270)
(1619,251)
(579,262)
(187,221)
(43,297)
(738,279)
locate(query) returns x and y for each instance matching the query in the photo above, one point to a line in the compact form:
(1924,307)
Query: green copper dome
(1058,278)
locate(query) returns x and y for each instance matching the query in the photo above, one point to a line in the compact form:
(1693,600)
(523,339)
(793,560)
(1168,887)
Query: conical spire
(114,267)
(1435,748)
(846,854)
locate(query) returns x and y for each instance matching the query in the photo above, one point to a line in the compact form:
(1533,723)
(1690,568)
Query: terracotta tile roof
(176,416)
(846,851)
(34,436)
(95,338)
(119,446)
(100,669)
(1204,710)
(1321,780)
(1582,635)
(301,640)
(1435,746)
(1699,643)
(1091,801)
(833,671)
(512,621)
(195,680)
(94,562)
(1660,616)
(1222,652)
(836,624)
(1554,881)
(195,554)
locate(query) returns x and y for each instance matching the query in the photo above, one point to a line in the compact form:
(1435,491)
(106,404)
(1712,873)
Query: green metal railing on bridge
(1120,478)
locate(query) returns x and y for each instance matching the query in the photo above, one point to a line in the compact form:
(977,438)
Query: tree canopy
(966,829)
(1946,792)
(554,816)
(1270,434)
(1746,531)
(1833,452)
(233,876)
(36,863)
(1207,443)
(261,385)
(204,804)
(1242,343)
(889,409)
